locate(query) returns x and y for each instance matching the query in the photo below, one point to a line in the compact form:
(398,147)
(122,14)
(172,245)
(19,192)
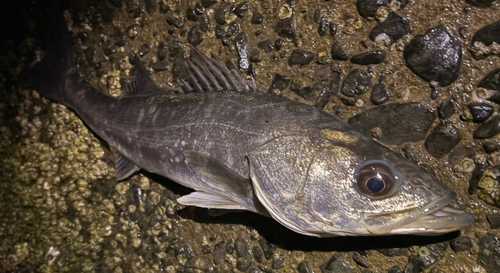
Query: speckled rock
(280,82)
(442,139)
(446,109)
(309,92)
(369,8)
(486,41)
(434,56)
(379,94)
(195,37)
(393,28)
(356,83)
(491,82)
(489,254)
(279,43)
(367,58)
(488,129)
(241,9)
(480,111)
(461,244)
(267,248)
(286,28)
(399,123)
(300,57)
(338,53)
(257,18)
(459,153)
(337,264)
(323,26)
(266,46)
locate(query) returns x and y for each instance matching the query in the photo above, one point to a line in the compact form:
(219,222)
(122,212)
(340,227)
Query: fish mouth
(434,218)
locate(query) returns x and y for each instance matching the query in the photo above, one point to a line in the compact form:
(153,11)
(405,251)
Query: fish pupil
(375,184)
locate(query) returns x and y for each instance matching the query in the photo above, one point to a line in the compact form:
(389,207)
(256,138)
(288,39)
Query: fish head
(345,184)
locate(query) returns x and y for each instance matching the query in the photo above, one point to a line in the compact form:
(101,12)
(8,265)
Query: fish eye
(375,178)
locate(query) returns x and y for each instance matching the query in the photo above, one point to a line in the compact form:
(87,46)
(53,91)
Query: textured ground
(62,210)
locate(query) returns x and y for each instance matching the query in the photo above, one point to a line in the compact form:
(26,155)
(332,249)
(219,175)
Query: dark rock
(257,254)
(492,82)
(199,9)
(220,32)
(164,8)
(328,91)
(415,265)
(309,92)
(266,46)
(267,247)
(230,246)
(494,220)
(360,260)
(119,37)
(286,28)
(279,43)
(317,16)
(206,249)
(491,147)
(393,252)
(254,55)
(233,29)
(241,43)
(458,154)
(368,58)
(305,267)
(463,32)
(489,253)
(278,262)
(446,109)
(257,18)
(480,111)
(241,247)
(337,264)
(434,56)
(145,48)
(379,94)
(480,3)
(430,254)
(368,8)
(348,101)
(241,9)
(434,93)
(195,37)
(188,252)
(162,51)
(461,244)
(151,6)
(356,83)
(174,20)
(323,72)
(442,139)
(243,263)
(488,129)
(395,27)
(395,269)
(484,38)
(300,57)
(323,26)
(475,177)
(219,253)
(333,29)
(191,15)
(221,13)
(208,3)
(399,123)
(338,53)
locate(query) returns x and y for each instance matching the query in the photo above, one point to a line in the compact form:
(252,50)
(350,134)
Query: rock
(230,246)
(309,92)
(480,3)
(361,260)
(145,48)
(241,43)
(356,83)
(257,18)
(220,32)
(331,89)
(446,109)
(254,55)
(415,265)
(393,252)
(116,3)
(241,9)
(463,32)
(221,13)
(488,129)
(399,123)
(491,147)
(266,46)
(194,36)
(442,139)
(337,264)
(348,101)
(286,28)
(219,253)
(233,29)
(199,9)
(475,177)
(494,220)
(489,253)
(243,263)
(368,8)
(323,26)
(480,111)
(191,15)
(338,53)
(492,82)
(368,58)
(280,82)
(486,41)
(430,254)
(300,57)
(379,94)
(174,20)
(317,16)
(434,56)
(162,51)
(278,262)
(333,29)
(395,269)
(394,27)
(461,244)
(458,154)
(241,247)
(267,247)
(305,267)
(164,8)
(279,43)
(119,37)
(207,249)
(257,254)
(208,3)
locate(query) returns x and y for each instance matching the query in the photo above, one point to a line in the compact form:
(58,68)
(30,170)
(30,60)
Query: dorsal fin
(211,75)
(142,84)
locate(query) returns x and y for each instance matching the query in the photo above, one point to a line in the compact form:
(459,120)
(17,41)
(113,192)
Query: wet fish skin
(240,148)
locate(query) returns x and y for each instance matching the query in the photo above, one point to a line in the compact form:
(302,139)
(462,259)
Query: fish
(240,148)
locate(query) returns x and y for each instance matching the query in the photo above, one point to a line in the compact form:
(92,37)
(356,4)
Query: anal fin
(209,200)
(123,167)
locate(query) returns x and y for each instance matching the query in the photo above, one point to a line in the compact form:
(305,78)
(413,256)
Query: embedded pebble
(337,264)
(489,253)
(119,37)
(194,36)
(442,139)
(379,94)
(494,220)
(151,6)
(257,254)
(333,29)
(278,262)
(208,3)
(338,53)
(399,123)
(491,147)
(475,178)
(434,56)
(300,57)
(480,111)
(286,28)
(461,244)
(219,253)
(267,248)
(162,51)
(266,46)
(280,82)
(145,48)
(305,267)
(279,43)
(254,55)
(459,153)
(480,3)
(446,109)
(241,9)
(221,13)
(368,8)
(395,269)
(394,27)
(367,58)
(492,82)
(393,252)
(191,15)
(488,129)
(486,41)
(257,18)
(309,92)
(233,29)
(356,83)
(323,26)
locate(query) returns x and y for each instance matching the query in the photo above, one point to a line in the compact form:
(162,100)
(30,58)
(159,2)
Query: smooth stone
(394,27)
(488,129)
(480,111)
(442,139)
(367,58)
(357,83)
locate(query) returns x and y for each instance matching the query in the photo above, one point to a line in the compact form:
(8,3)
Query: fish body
(240,148)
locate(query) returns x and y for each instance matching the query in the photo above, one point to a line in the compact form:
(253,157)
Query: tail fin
(47,77)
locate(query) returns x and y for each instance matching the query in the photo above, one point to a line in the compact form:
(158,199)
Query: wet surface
(64,211)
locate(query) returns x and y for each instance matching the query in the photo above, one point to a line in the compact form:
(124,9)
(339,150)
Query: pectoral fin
(209,200)
(123,167)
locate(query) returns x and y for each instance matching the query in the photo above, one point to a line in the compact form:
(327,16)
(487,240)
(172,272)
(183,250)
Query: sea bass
(242,149)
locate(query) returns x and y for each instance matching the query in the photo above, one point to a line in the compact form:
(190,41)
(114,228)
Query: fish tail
(48,76)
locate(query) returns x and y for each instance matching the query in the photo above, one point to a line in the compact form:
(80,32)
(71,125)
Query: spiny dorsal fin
(211,75)
(142,84)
